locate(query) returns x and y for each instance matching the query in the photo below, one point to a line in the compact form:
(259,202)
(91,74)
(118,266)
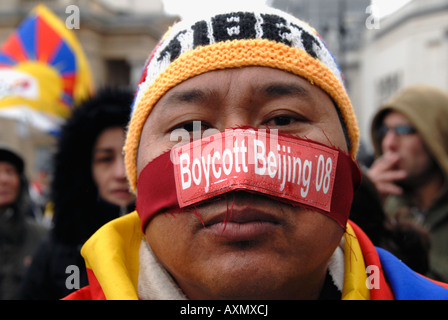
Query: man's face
(9,184)
(413,155)
(269,249)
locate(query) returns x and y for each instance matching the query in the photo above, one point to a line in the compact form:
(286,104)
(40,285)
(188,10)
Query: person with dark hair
(19,233)
(89,188)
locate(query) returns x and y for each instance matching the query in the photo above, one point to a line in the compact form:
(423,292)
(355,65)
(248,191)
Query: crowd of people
(116,198)
(88,189)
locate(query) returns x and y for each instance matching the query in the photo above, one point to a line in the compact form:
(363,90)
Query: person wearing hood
(410,138)
(19,233)
(241,151)
(89,188)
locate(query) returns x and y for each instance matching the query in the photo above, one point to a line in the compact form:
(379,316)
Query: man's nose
(235,119)
(390,141)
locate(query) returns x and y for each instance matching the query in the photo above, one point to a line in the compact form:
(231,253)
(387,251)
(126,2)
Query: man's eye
(191,126)
(281,121)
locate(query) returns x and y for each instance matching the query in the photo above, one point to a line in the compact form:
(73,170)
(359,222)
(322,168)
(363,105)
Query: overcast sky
(190,7)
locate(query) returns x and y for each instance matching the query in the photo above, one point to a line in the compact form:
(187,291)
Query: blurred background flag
(43,72)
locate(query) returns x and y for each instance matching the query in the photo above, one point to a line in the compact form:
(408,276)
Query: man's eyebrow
(270,90)
(285,89)
(192,95)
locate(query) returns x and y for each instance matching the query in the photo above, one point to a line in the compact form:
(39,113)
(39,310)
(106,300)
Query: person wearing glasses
(410,138)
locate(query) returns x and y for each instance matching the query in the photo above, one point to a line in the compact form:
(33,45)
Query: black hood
(78,210)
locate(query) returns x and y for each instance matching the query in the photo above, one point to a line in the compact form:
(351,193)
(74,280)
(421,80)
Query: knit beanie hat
(261,37)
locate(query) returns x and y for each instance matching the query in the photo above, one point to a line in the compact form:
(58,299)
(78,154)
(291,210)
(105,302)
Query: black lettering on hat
(173,48)
(240,25)
(234,26)
(308,41)
(274,28)
(200,34)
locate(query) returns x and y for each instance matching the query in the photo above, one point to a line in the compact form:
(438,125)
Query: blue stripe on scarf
(405,283)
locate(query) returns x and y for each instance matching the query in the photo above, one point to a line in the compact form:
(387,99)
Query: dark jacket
(58,267)
(78,209)
(19,233)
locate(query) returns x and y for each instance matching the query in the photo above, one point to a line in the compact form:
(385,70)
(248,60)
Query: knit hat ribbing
(267,37)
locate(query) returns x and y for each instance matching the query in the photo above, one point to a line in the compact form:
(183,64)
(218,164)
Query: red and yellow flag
(43,71)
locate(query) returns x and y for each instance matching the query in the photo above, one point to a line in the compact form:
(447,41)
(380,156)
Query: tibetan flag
(43,71)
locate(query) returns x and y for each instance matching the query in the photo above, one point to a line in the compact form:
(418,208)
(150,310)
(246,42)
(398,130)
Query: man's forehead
(392,115)
(264,82)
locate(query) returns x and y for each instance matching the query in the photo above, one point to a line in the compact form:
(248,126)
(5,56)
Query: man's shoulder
(118,233)
(123,225)
(407,284)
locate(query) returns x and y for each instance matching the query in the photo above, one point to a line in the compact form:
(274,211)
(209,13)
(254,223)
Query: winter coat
(427,110)
(19,237)
(58,268)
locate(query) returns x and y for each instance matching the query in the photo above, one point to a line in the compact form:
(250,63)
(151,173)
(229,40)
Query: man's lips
(241,224)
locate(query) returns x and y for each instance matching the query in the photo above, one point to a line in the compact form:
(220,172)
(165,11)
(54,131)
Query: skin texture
(9,184)
(108,167)
(268,250)
(406,165)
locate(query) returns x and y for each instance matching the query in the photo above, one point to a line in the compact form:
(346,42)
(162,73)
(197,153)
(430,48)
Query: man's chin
(239,282)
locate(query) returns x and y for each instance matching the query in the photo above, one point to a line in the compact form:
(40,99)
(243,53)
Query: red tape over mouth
(283,167)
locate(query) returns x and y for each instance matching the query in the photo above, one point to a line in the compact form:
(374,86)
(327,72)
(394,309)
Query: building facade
(409,47)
